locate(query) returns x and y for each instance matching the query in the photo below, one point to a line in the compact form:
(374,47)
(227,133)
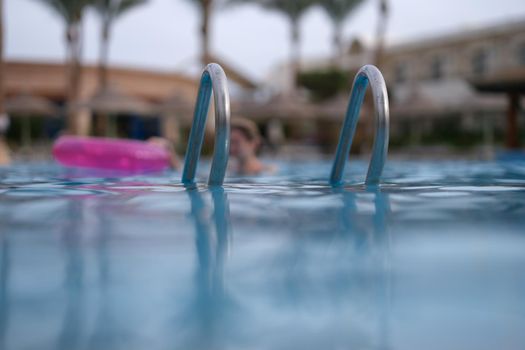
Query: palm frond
(126,5)
(292,9)
(70,10)
(339,10)
(115,8)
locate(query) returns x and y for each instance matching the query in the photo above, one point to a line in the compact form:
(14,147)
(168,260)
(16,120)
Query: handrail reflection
(73,319)
(383,240)
(379,241)
(4,289)
(211,303)
(345,259)
(104,333)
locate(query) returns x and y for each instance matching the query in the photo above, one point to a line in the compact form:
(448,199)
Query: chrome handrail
(214,81)
(365,75)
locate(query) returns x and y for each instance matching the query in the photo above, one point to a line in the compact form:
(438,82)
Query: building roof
(459,37)
(507,80)
(30,105)
(111,100)
(235,74)
(443,98)
(48,79)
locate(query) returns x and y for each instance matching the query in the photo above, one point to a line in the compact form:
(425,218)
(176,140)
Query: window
(437,68)
(521,54)
(401,73)
(480,62)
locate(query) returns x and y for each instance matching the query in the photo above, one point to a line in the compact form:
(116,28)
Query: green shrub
(324,84)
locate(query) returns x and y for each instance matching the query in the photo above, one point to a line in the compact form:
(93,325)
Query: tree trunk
(295,53)
(74,76)
(381,31)
(101,119)
(103,56)
(2,76)
(205,34)
(337,44)
(4,149)
(512,139)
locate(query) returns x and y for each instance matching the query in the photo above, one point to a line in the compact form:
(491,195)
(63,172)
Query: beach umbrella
(31,105)
(176,105)
(335,108)
(28,105)
(283,107)
(110,100)
(175,110)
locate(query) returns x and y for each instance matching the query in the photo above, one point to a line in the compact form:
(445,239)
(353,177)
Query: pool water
(433,259)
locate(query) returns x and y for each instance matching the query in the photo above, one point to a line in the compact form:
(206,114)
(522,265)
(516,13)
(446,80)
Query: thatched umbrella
(415,105)
(335,109)
(456,98)
(283,107)
(175,110)
(292,110)
(112,101)
(176,105)
(27,105)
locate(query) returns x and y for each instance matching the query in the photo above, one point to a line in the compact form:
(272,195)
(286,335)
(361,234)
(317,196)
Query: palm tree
(338,11)
(293,10)
(384,12)
(2,92)
(205,8)
(71,12)
(4,151)
(109,11)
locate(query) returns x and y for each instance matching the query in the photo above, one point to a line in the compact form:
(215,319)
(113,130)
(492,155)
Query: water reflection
(339,275)
(309,267)
(4,285)
(105,334)
(335,270)
(373,243)
(211,307)
(73,319)
(383,241)
(327,279)
(79,305)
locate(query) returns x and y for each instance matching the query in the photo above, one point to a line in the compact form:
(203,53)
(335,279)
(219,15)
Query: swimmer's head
(245,138)
(168,146)
(4,123)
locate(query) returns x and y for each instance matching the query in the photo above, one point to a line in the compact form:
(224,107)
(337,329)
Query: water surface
(432,259)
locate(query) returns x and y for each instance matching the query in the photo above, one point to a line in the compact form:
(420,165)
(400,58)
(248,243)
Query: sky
(162,35)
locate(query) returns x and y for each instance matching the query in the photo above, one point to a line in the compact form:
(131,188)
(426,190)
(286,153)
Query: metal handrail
(365,75)
(214,81)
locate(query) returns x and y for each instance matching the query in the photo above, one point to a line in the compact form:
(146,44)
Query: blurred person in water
(245,143)
(170,147)
(5,157)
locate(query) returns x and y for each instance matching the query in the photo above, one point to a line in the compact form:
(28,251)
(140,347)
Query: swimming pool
(433,259)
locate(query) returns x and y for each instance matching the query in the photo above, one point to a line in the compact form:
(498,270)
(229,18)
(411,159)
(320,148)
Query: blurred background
(455,71)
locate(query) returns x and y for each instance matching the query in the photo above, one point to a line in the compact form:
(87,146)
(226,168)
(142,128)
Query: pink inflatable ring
(110,154)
